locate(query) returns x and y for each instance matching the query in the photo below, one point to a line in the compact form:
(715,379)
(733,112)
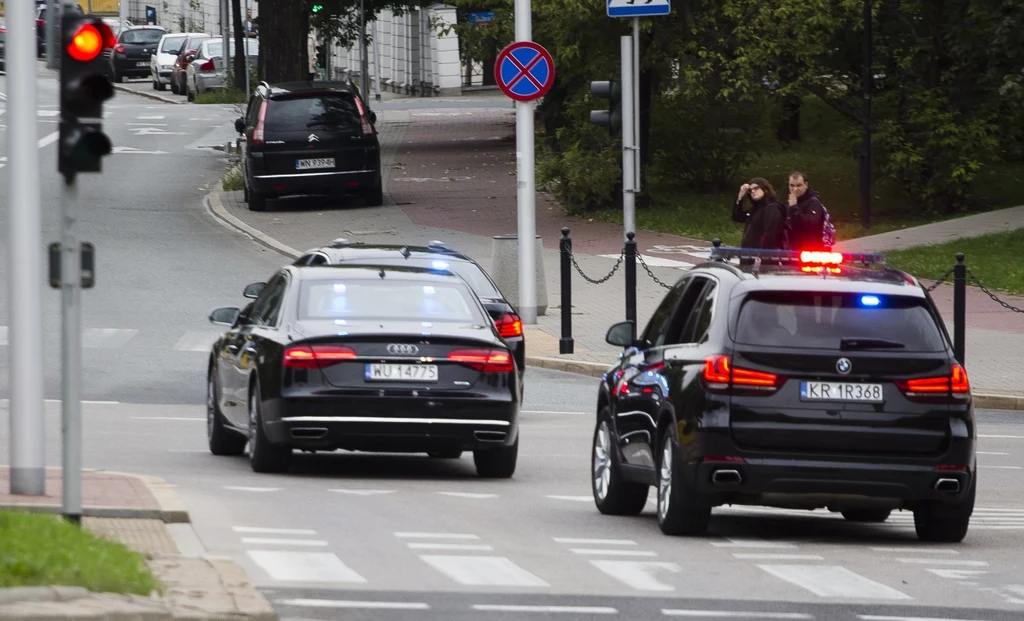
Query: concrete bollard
(505,270)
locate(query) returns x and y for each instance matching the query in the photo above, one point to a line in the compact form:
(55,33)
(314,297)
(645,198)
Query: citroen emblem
(314,138)
(844,366)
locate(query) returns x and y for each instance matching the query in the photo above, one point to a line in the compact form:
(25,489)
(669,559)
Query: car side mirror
(254,290)
(225,316)
(621,334)
(373,117)
(240,125)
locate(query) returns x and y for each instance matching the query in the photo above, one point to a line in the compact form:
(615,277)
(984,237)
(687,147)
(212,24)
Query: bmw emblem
(844,366)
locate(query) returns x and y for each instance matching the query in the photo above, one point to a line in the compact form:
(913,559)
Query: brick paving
(144,536)
(99,490)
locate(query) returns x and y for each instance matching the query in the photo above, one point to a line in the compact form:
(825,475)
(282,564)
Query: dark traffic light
(612,117)
(320,56)
(84,86)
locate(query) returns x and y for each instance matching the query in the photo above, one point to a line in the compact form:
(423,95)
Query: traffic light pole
(525,193)
(71,352)
(628,139)
(52,33)
(636,101)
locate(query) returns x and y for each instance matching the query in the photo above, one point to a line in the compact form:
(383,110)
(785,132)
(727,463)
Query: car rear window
(337,112)
(389,299)
(821,320)
(470,272)
(142,36)
(216,48)
(172,45)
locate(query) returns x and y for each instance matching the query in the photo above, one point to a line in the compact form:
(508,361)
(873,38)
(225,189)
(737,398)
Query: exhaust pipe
(726,477)
(950,486)
(309,433)
(490,436)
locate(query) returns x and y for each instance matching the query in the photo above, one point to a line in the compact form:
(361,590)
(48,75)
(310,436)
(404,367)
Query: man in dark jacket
(806,214)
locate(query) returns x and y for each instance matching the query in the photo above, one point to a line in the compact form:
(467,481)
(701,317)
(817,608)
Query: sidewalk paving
(450,175)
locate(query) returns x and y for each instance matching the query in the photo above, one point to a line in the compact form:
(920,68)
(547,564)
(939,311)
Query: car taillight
(367,126)
(483,360)
(721,376)
(119,49)
(509,325)
(316,356)
(207,66)
(954,384)
(258,131)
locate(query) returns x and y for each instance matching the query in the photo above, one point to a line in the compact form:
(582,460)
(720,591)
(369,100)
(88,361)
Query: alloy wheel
(602,461)
(665,479)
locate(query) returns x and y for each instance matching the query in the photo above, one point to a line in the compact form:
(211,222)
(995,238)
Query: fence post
(631,277)
(959,308)
(565,344)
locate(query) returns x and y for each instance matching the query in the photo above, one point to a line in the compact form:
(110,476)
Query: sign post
(525,72)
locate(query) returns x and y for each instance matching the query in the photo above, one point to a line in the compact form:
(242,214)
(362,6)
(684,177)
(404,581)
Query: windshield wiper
(868,343)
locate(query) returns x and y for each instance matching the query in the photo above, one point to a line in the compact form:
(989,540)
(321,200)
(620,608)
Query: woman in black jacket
(765,221)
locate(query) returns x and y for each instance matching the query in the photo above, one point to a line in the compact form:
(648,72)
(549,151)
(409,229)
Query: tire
(160,86)
(156,86)
(222,441)
(944,523)
(612,495)
(867,515)
(257,202)
(174,87)
(264,457)
(375,197)
(117,77)
(497,463)
(245,191)
(449,454)
(190,95)
(681,510)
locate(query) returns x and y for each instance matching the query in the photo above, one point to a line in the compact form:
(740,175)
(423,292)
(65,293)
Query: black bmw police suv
(803,380)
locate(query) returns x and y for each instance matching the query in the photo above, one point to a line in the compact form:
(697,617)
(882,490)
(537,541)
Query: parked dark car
(130,58)
(3,49)
(309,138)
(365,358)
(41,19)
(806,385)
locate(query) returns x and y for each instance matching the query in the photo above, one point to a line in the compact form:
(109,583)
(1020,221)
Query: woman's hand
(743,191)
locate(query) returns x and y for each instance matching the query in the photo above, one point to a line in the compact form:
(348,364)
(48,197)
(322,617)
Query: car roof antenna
(382,273)
(405,252)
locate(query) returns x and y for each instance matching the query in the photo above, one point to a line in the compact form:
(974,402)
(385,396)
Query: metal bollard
(565,344)
(631,277)
(959,308)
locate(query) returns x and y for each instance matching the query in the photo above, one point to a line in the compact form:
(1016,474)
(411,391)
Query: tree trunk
(283,33)
(492,57)
(789,125)
(240,47)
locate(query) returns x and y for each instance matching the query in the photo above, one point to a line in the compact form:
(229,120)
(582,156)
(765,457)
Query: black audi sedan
(810,383)
(362,358)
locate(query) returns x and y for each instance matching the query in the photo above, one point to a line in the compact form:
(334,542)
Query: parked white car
(162,62)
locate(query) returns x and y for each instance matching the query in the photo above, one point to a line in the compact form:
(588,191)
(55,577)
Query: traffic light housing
(612,117)
(84,86)
(320,56)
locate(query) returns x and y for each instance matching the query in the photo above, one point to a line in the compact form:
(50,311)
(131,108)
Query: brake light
(258,132)
(510,325)
(367,126)
(119,49)
(483,360)
(956,383)
(316,356)
(720,375)
(207,66)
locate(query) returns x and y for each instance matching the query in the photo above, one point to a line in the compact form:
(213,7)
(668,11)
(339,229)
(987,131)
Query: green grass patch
(41,549)
(221,96)
(995,259)
(233,179)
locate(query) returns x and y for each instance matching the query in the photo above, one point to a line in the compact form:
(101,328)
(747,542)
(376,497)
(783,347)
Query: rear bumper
(330,182)
(391,425)
(209,81)
(126,66)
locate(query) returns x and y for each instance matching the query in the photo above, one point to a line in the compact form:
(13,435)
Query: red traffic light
(89,41)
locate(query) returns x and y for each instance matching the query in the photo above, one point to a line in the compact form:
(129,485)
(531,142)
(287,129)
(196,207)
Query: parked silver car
(206,72)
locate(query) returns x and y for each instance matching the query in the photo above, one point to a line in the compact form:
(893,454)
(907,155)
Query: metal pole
(525,196)
(628,138)
(246,33)
(364,67)
(565,344)
(226,32)
(376,61)
(636,101)
(959,308)
(865,161)
(25,299)
(631,278)
(122,12)
(52,33)
(71,350)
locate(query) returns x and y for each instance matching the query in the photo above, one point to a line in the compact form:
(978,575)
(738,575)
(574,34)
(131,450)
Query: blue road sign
(485,18)
(638,8)
(525,71)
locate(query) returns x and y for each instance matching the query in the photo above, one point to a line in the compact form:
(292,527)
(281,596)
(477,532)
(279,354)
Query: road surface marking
(942,561)
(910,550)
(1005,437)
(574,498)
(779,557)
(197,341)
(595,552)
(151,117)
(958,574)
(638,574)
(258,530)
(1000,467)
(363,492)
(435,536)
(468,495)
(242,488)
(734,614)
(47,113)
(601,542)
(833,581)
(553,412)
(193,418)
(988,453)
(467,547)
(304,566)
(752,543)
(337,603)
(106,338)
(272,541)
(887,618)
(578,610)
(484,571)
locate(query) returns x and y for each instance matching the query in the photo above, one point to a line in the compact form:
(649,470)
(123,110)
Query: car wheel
(944,523)
(612,494)
(375,197)
(264,456)
(497,463)
(221,440)
(867,515)
(117,77)
(449,454)
(257,202)
(191,96)
(174,87)
(681,510)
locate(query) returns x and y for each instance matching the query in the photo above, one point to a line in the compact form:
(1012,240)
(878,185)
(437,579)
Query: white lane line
(958,574)
(47,113)
(578,610)
(942,561)
(574,498)
(779,557)
(734,614)
(259,530)
(242,488)
(1000,467)
(833,581)
(106,338)
(600,542)
(363,492)
(596,552)
(888,618)
(989,453)
(467,547)
(552,412)
(58,401)
(151,117)
(640,575)
(48,139)
(304,566)
(752,543)
(274,541)
(909,550)
(201,341)
(473,495)
(436,536)
(192,418)
(338,603)
(484,571)
(999,436)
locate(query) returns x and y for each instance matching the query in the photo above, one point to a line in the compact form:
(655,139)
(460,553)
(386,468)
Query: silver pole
(225,27)
(246,33)
(636,100)
(628,138)
(28,438)
(376,60)
(364,68)
(525,195)
(52,33)
(71,353)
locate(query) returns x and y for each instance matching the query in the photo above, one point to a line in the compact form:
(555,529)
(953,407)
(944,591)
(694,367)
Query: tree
(238,70)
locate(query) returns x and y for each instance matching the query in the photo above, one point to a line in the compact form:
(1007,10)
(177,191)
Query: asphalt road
(408,537)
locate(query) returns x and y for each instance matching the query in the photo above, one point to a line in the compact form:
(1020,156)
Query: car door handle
(250,350)
(233,348)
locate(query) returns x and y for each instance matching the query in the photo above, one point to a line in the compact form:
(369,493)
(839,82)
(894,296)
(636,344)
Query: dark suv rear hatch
(841,362)
(318,132)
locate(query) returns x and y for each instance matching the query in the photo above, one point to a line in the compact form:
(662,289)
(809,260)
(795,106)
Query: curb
(216,208)
(580,367)
(153,96)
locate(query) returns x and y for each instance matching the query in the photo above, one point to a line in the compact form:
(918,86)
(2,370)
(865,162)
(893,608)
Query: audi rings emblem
(402,349)
(844,366)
